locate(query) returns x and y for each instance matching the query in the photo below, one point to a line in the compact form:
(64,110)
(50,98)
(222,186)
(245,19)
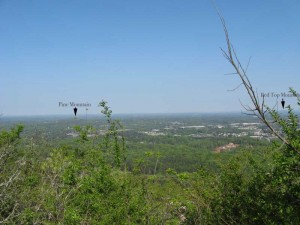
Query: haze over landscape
(142,56)
(127,112)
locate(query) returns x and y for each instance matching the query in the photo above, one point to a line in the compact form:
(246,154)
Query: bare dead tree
(258,108)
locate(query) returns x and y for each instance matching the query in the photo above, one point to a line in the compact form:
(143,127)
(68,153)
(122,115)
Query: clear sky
(142,56)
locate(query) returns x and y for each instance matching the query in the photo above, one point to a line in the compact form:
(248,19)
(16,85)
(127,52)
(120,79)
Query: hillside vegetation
(92,181)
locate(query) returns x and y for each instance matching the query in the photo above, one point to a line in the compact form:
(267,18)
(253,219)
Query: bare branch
(10,215)
(230,74)
(258,109)
(248,64)
(236,87)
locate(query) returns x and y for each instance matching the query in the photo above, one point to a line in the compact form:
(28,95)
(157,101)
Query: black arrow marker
(282,103)
(75,111)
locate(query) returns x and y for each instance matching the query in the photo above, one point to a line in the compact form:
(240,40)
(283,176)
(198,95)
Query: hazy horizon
(71,114)
(132,115)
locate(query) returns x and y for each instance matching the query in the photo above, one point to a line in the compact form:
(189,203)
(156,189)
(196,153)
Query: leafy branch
(115,127)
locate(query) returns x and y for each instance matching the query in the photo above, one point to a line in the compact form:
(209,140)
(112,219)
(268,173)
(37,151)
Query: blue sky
(142,56)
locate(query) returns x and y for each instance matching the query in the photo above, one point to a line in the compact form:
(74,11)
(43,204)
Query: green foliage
(83,133)
(10,171)
(87,181)
(113,142)
(258,187)
(9,137)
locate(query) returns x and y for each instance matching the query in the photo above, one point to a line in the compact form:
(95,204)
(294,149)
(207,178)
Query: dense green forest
(115,173)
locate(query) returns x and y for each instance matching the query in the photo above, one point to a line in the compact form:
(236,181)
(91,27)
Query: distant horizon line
(125,114)
(134,113)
